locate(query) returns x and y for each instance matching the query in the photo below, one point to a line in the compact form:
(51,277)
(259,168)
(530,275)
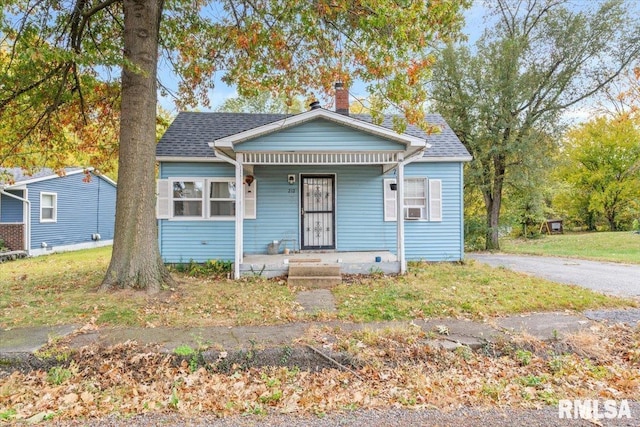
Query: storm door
(318,212)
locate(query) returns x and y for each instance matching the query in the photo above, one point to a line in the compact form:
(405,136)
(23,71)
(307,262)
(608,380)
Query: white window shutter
(250,200)
(163,199)
(390,204)
(435,200)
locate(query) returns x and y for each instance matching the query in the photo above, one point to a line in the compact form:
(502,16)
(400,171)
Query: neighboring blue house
(45,212)
(318,182)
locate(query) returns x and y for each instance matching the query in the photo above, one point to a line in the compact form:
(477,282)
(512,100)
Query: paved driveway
(611,278)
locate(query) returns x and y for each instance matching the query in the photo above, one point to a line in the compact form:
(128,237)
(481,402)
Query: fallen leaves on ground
(395,369)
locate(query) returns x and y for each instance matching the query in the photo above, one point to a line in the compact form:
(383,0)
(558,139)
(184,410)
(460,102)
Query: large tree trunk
(136,261)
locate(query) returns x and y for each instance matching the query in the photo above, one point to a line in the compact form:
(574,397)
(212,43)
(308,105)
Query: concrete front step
(314,275)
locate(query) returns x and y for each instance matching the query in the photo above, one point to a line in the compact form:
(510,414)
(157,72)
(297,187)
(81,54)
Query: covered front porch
(349,262)
(335,167)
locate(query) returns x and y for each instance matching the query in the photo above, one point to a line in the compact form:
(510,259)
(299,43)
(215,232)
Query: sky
(474,25)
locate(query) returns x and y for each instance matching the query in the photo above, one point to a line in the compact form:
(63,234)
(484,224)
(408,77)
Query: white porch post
(239,216)
(400,213)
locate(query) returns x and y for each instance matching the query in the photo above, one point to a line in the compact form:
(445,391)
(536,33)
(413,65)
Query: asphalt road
(607,277)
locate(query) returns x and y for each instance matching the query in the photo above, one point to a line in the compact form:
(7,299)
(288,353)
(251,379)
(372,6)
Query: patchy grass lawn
(61,289)
(471,290)
(621,246)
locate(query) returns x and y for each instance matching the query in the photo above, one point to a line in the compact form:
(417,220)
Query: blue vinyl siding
(359,214)
(438,241)
(319,135)
(360,224)
(83,208)
(12,210)
(106,209)
(200,241)
(278,212)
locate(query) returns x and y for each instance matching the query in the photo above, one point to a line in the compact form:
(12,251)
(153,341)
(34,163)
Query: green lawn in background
(621,246)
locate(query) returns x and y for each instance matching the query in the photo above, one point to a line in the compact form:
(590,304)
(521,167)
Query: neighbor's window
(187,198)
(222,198)
(48,207)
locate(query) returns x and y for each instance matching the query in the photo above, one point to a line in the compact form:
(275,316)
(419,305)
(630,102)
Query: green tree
(56,48)
(504,98)
(603,169)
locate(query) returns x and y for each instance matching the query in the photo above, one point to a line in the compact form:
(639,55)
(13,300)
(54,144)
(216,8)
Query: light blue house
(46,212)
(249,187)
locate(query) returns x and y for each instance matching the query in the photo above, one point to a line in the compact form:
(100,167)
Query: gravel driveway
(611,278)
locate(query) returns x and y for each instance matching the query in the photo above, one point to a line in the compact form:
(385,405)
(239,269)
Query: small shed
(552,226)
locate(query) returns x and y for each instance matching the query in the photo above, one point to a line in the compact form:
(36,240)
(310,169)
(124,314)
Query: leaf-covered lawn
(62,289)
(620,246)
(390,369)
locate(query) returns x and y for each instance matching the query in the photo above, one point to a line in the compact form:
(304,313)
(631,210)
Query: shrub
(213,267)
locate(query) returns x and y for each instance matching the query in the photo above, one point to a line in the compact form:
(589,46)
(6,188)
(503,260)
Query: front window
(422,199)
(222,198)
(48,207)
(204,198)
(187,198)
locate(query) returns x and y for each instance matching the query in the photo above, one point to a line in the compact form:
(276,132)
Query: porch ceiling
(321,158)
(388,160)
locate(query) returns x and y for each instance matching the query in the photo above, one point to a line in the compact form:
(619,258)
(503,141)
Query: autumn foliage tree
(57,49)
(602,170)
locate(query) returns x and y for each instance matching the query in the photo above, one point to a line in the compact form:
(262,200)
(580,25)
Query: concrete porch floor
(350,262)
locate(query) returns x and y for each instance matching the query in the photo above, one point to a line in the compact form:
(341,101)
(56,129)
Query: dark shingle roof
(190,133)
(443,144)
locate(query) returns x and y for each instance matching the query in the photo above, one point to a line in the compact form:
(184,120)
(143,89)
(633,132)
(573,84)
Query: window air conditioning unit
(412,213)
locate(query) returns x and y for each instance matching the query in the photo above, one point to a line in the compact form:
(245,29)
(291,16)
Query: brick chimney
(342,99)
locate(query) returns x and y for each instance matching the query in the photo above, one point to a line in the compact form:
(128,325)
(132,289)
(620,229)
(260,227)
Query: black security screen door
(318,212)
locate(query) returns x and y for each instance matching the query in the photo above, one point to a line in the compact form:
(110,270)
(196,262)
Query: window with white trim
(415,198)
(187,198)
(48,207)
(222,198)
(422,199)
(203,198)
